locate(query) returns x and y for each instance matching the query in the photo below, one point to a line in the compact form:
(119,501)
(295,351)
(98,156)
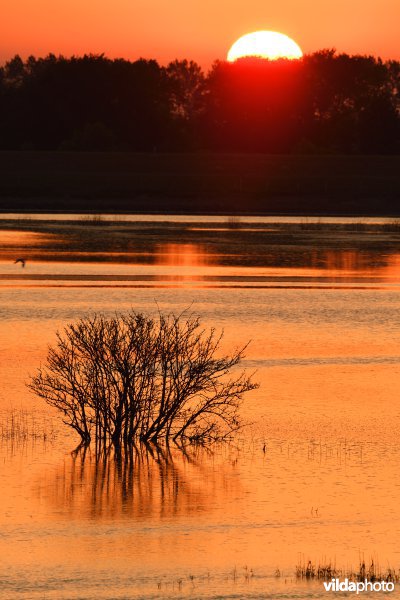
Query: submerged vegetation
(326,570)
(134,378)
(20,425)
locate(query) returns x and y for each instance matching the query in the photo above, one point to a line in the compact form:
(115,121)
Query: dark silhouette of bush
(134,378)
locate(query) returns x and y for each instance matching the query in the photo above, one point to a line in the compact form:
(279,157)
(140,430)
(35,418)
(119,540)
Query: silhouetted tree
(253,105)
(132,377)
(14,71)
(186,90)
(326,102)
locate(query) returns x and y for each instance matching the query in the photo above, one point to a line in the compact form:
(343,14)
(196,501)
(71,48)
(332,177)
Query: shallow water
(143,218)
(324,331)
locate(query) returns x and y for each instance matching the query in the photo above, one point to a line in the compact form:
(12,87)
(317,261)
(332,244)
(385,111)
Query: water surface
(315,474)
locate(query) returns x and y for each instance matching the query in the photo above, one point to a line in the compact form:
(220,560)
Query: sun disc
(264,44)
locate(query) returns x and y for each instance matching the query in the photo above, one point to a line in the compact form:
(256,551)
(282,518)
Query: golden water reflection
(329,365)
(145,483)
(114,246)
(183,255)
(198,265)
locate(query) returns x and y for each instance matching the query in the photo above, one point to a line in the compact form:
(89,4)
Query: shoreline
(197,243)
(200,184)
(4,212)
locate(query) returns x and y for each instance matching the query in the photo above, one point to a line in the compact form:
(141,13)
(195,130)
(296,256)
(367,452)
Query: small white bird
(20,260)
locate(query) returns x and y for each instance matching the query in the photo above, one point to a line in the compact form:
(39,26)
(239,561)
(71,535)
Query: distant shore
(231,184)
(302,243)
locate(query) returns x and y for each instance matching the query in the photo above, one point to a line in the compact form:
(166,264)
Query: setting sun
(264,44)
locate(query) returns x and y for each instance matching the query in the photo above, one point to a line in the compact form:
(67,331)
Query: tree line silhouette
(323,103)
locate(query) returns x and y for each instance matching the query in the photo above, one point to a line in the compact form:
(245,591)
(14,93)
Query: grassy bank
(199,183)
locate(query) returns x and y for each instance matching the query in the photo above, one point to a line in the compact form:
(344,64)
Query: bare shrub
(132,377)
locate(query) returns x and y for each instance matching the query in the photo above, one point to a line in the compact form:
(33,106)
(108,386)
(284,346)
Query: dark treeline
(326,102)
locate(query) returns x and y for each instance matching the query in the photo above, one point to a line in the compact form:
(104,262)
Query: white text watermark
(336,585)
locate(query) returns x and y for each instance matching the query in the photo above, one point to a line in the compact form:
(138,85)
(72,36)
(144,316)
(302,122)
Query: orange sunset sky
(199,30)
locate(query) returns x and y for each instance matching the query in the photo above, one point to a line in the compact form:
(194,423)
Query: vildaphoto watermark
(346,585)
